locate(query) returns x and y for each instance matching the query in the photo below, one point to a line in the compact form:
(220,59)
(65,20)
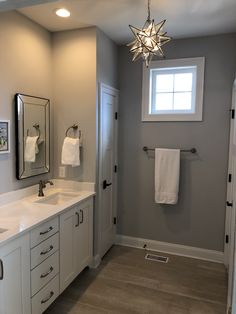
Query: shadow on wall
(172,212)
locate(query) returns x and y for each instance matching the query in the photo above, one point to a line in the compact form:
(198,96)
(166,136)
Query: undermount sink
(2,230)
(57,198)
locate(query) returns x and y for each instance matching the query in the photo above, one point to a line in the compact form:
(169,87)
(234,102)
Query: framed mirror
(32,136)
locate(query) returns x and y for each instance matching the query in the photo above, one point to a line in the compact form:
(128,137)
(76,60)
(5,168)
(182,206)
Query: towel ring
(74,127)
(37,128)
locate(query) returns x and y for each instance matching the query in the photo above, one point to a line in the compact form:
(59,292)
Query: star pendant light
(148,40)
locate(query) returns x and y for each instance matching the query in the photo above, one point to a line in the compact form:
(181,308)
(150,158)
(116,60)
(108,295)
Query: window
(173,90)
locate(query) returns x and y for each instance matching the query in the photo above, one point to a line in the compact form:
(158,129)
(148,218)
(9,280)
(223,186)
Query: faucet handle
(42,184)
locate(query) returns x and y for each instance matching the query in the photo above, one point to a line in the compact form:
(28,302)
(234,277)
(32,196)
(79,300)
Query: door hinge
(230,177)
(115,168)
(116,115)
(114,220)
(232,113)
(226,238)
(229,204)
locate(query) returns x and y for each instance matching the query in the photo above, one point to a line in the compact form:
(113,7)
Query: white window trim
(197,115)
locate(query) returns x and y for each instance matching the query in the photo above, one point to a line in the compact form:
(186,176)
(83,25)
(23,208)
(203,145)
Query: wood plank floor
(126,283)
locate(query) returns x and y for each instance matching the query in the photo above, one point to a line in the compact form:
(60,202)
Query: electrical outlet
(62,172)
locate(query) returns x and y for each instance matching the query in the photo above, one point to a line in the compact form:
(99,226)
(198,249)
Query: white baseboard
(170,248)
(95,261)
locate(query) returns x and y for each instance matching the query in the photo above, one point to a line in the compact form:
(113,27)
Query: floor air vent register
(156,258)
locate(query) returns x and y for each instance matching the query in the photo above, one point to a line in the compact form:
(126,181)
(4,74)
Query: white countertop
(23,214)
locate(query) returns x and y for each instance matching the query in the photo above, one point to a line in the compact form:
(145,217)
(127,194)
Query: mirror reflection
(33,132)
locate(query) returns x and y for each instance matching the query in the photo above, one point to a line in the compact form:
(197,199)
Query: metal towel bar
(191,150)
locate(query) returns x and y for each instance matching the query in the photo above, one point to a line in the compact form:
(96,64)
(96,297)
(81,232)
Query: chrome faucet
(42,185)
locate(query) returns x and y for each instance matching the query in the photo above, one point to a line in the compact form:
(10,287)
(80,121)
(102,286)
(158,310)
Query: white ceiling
(185,18)
(6,5)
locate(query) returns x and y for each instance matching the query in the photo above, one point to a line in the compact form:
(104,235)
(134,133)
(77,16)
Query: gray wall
(74,90)
(25,67)
(107,58)
(67,65)
(81,59)
(198,218)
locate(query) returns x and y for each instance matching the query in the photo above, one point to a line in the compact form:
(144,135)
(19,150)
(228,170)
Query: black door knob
(105,184)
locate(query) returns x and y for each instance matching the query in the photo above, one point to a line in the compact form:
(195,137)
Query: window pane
(164,101)
(183,101)
(164,83)
(183,82)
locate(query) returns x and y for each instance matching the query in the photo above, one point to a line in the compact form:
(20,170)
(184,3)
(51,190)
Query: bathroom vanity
(44,244)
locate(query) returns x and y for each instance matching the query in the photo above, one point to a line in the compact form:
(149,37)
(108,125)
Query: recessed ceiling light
(62,12)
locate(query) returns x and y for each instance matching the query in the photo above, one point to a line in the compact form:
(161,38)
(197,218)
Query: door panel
(76,241)
(85,249)
(67,246)
(108,150)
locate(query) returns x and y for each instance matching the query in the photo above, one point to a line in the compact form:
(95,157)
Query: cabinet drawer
(42,274)
(43,232)
(44,250)
(42,300)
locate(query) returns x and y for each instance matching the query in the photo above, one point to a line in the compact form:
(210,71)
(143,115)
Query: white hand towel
(167,168)
(31,148)
(71,152)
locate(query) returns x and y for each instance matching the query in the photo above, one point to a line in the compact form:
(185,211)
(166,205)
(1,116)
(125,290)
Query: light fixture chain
(149,14)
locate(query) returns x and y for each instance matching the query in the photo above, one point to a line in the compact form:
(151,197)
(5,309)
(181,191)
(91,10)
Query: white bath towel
(31,148)
(71,152)
(167,168)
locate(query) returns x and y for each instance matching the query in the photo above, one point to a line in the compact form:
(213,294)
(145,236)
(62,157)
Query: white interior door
(229,249)
(107,166)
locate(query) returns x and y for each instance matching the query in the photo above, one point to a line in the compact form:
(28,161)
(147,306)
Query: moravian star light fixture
(148,40)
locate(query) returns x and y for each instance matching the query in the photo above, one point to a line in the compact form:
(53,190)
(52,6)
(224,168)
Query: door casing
(229,248)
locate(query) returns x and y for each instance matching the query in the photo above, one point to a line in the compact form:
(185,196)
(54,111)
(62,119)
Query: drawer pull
(1,273)
(47,273)
(47,251)
(82,212)
(45,232)
(47,299)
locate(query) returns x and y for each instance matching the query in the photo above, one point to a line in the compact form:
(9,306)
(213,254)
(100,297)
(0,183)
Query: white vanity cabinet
(76,241)
(15,277)
(37,266)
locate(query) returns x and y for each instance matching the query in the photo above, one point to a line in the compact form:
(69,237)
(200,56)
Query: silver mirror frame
(20,102)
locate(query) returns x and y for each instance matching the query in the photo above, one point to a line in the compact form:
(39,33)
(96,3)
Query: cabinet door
(15,283)
(76,241)
(68,225)
(84,249)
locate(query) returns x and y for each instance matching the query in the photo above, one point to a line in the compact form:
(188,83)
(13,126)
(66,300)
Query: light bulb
(63,12)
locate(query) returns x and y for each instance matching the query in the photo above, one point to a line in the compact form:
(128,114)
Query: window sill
(171,117)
